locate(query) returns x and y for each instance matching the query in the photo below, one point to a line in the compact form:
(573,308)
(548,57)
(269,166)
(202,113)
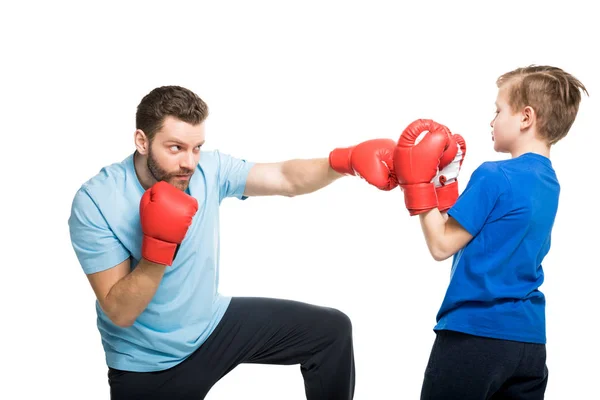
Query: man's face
(174,152)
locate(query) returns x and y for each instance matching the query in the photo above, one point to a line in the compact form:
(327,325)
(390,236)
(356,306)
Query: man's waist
(143,347)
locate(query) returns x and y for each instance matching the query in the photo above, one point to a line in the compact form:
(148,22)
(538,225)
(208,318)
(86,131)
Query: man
(146,233)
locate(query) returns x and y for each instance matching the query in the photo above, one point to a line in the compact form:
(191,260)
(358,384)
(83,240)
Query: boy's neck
(537,147)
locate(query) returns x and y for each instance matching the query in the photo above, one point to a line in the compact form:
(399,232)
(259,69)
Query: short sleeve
(233,173)
(96,246)
(477,201)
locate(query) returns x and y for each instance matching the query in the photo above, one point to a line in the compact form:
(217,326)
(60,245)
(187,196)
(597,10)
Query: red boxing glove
(446,181)
(165,214)
(371,160)
(416,164)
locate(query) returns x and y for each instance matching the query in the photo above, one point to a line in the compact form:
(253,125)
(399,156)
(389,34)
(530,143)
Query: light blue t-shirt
(105,231)
(509,208)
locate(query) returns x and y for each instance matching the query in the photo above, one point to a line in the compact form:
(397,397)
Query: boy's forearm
(433,224)
(130,296)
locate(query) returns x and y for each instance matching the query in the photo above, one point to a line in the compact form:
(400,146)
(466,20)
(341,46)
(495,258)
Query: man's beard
(161,175)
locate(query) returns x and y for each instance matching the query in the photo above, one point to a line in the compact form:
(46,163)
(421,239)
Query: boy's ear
(527,117)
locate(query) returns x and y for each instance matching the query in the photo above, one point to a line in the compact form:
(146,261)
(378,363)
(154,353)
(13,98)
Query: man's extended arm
(371,160)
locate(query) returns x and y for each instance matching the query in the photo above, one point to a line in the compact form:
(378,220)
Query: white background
(282,80)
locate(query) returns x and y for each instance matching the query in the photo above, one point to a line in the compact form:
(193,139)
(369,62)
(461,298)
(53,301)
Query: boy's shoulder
(490,168)
(513,167)
(490,176)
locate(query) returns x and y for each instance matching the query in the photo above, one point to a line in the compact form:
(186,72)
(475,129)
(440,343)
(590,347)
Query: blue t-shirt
(105,231)
(509,208)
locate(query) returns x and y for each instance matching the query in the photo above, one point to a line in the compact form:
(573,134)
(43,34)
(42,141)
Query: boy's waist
(519,320)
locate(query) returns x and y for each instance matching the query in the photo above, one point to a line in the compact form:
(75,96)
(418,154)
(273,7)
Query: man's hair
(164,101)
(553,94)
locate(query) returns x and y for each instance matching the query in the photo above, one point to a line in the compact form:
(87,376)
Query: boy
(490,332)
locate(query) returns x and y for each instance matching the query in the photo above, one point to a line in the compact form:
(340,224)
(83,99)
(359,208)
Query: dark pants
(466,367)
(259,331)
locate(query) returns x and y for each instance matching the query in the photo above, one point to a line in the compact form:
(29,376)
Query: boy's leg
(466,367)
(531,377)
(261,331)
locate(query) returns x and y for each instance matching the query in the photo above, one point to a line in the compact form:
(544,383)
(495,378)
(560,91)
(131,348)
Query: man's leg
(285,332)
(261,331)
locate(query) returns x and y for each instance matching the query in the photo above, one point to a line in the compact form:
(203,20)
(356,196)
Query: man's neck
(141,170)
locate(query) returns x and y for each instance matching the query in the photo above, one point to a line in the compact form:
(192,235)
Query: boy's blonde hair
(553,94)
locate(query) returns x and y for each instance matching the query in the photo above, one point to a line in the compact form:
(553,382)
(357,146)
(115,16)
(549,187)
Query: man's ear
(527,118)
(141,142)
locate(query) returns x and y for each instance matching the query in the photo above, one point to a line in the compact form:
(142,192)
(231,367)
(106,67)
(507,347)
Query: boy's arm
(443,234)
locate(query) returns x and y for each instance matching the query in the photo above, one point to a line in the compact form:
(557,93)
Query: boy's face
(506,125)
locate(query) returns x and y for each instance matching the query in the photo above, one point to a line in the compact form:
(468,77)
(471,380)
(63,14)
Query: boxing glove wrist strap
(447,196)
(339,160)
(158,251)
(420,197)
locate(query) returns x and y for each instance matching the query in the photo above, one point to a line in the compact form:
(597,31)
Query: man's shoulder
(108,178)
(216,160)
(214,157)
(209,157)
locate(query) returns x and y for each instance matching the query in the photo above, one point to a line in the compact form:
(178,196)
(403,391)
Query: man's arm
(123,294)
(371,160)
(165,216)
(290,178)
(443,234)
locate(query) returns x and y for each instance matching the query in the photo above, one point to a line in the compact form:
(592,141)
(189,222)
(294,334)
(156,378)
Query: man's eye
(175,148)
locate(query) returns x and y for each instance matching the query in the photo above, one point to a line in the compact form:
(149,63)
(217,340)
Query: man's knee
(339,324)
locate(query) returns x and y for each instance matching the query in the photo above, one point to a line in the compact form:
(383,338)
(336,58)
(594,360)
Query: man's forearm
(130,296)
(307,176)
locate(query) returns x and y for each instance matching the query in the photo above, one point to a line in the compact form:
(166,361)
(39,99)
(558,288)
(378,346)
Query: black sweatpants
(260,331)
(466,367)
